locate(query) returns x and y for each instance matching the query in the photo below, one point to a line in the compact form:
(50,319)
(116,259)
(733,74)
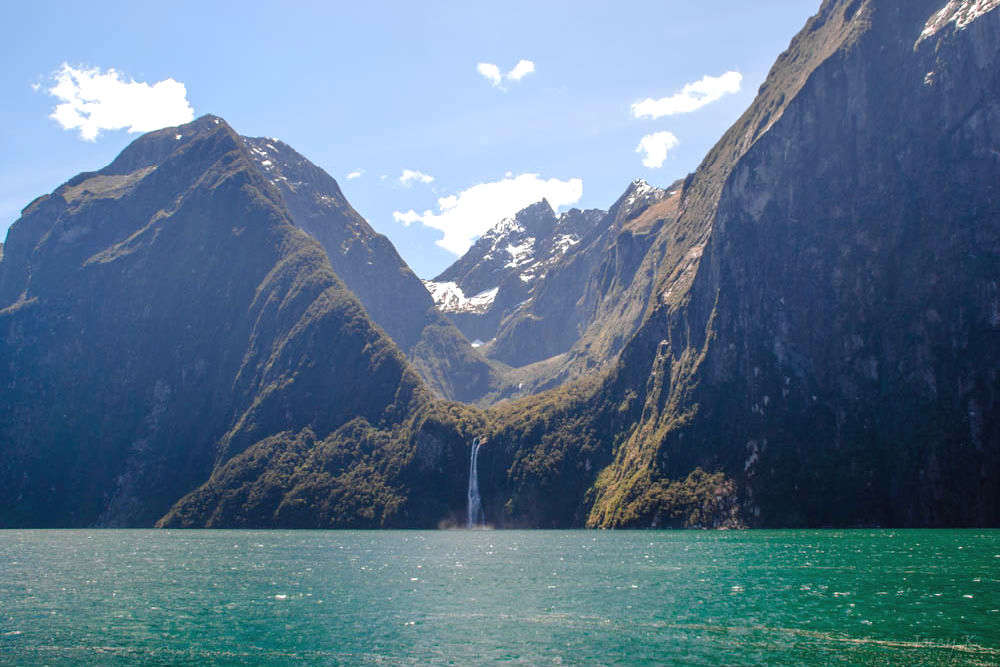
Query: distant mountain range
(550,296)
(803,332)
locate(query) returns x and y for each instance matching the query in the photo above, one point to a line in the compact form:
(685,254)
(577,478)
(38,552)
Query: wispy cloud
(92,101)
(492,73)
(465,216)
(656,146)
(411,175)
(355,174)
(691,97)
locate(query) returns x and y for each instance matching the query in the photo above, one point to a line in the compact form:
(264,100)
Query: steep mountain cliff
(163,315)
(823,324)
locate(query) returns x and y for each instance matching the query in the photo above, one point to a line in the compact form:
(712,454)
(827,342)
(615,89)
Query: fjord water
(471,597)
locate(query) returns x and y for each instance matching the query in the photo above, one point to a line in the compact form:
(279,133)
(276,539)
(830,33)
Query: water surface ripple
(482,597)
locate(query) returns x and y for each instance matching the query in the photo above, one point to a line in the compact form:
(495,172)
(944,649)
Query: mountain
(162,316)
(807,325)
(803,332)
(554,297)
(500,271)
(372,269)
(823,324)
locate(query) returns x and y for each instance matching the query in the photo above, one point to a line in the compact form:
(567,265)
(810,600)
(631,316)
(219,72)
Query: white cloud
(691,97)
(410,175)
(91,101)
(407,218)
(355,174)
(492,73)
(522,69)
(656,146)
(465,216)
(36,87)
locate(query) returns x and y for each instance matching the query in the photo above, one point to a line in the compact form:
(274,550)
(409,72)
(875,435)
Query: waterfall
(476,517)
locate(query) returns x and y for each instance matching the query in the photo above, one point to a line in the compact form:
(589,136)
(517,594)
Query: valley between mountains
(803,332)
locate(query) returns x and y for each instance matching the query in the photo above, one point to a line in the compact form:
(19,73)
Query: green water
(473,597)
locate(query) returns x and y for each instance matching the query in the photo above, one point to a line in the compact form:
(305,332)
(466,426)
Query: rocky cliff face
(837,339)
(373,270)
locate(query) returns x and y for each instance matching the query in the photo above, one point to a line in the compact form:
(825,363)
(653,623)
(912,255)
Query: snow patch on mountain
(564,242)
(505,227)
(960,12)
(450,298)
(521,253)
(640,190)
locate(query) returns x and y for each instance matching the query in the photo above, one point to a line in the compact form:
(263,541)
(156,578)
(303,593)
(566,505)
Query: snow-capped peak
(638,195)
(515,254)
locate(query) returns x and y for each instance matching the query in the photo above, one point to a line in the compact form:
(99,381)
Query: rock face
(836,346)
(160,317)
(372,269)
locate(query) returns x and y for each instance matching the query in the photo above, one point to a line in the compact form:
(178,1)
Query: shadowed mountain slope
(159,317)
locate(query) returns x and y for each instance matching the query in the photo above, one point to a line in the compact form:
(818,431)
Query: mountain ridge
(803,332)
(373,270)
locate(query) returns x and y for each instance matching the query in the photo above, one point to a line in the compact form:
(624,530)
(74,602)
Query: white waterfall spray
(476,517)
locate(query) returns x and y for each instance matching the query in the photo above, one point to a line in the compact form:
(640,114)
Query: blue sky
(380,88)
